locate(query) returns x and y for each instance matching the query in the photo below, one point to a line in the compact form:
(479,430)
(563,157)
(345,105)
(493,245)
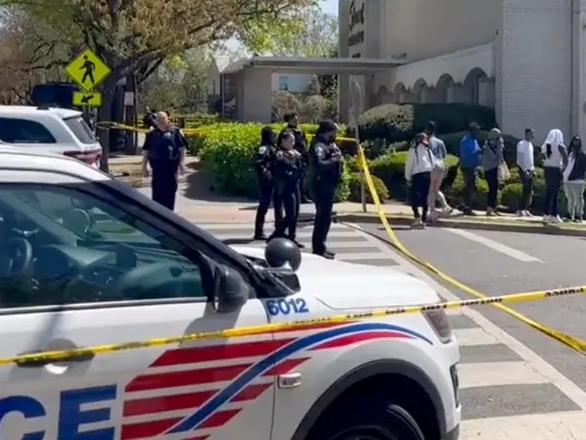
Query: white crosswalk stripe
(348,244)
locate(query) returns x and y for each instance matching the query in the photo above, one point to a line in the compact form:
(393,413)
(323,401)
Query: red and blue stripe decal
(336,337)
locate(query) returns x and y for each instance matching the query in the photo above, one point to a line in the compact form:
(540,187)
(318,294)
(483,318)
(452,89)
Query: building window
(284,83)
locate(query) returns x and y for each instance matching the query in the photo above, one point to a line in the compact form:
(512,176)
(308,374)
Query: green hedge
(390,168)
(455,193)
(397,123)
(227,151)
(355,194)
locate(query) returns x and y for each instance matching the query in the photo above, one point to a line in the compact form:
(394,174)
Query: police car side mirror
(281,253)
(231,292)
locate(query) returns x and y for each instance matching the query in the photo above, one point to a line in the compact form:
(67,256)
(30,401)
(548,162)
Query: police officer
(263,165)
(164,150)
(326,164)
(288,166)
(292,121)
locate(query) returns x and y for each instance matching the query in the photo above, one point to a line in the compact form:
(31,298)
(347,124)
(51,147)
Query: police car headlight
(438,320)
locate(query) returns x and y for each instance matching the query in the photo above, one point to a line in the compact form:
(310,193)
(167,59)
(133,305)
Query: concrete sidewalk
(217,209)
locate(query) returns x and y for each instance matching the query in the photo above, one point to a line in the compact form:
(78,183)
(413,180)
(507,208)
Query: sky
(330,6)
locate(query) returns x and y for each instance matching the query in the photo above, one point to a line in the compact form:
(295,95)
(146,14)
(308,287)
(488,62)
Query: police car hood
(341,285)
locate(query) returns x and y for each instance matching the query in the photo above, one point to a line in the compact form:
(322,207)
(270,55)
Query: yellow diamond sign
(91,99)
(88,70)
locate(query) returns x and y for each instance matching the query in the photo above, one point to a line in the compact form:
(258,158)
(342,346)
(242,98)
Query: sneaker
(557,219)
(521,213)
(416,223)
(490,212)
(527,214)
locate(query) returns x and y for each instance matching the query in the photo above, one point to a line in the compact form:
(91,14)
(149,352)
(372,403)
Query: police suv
(86,261)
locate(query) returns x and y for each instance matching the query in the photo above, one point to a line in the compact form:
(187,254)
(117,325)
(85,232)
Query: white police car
(86,261)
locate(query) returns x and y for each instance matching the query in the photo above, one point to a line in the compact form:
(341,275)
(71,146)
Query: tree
(134,37)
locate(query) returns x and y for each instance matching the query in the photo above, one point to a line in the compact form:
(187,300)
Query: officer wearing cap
(164,150)
(326,165)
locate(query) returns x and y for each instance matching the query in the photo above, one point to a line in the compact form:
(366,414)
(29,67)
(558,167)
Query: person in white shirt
(420,163)
(555,159)
(526,164)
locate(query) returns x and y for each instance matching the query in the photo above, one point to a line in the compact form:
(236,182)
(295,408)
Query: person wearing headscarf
(574,174)
(492,158)
(326,166)
(555,159)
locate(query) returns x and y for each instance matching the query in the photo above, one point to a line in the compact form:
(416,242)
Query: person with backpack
(326,167)
(555,159)
(420,164)
(287,170)
(164,150)
(264,167)
(574,175)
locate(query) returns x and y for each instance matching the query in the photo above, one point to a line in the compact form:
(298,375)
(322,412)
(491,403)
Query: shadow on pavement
(200,186)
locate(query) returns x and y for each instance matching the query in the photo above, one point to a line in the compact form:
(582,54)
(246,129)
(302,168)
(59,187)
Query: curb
(465,224)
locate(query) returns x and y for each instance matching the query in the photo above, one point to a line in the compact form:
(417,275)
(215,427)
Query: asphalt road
(497,263)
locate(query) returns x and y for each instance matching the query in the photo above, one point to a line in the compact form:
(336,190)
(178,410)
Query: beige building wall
(427,28)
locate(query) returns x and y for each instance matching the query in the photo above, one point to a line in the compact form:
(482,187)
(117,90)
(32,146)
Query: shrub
(355,196)
(227,151)
(397,123)
(455,193)
(511,196)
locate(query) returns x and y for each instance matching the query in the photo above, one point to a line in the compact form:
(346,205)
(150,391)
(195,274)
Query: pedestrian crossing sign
(92,99)
(88,70)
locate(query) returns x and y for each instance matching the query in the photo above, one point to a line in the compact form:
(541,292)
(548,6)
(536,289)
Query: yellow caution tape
(67,355)
(575,343)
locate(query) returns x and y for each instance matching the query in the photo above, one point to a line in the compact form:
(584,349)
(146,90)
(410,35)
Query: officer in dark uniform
(263,165)
(288,167)
(164,150)
(292,121)
(326,164)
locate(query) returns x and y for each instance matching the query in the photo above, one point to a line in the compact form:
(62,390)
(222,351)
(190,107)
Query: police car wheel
(368,419)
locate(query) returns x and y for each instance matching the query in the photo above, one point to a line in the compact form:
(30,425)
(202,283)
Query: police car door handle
(43,361)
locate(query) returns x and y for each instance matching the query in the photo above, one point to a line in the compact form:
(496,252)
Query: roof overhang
(351,66)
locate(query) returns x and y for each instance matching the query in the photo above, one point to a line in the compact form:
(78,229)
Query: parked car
(49,130)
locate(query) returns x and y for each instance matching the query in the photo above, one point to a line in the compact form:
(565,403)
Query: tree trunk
(105,115)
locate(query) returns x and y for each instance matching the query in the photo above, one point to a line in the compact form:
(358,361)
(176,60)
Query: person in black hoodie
(574,174)
(287,171)
(263,165)
(326,165)
(292,121)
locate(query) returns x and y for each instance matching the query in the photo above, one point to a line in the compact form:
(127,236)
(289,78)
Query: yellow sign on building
(92,99)
(88,70)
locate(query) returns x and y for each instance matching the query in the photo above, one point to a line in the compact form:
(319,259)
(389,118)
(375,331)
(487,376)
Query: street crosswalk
(507,391)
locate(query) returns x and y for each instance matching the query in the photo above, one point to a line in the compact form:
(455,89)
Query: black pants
(323,195)
(527,181)
(492,178)
(469,187)
(420,194)
(164,186)
(287,199)
(265,196)
(553,181)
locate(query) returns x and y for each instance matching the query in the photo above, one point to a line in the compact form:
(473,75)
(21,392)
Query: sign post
(356,94)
